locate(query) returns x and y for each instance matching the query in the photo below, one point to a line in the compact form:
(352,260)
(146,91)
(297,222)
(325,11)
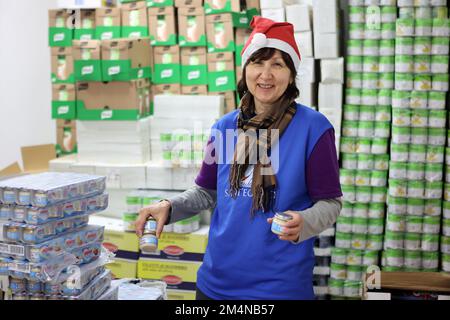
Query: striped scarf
(264,185)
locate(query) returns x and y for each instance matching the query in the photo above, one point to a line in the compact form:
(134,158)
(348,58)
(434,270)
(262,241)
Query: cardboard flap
(70,88)
(11,170)
(36,158)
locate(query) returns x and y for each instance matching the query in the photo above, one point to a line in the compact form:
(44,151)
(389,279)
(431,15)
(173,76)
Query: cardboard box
(181,275)
(62,163)
(162,29)
(62,65)
(229,100)
(308,93)
(191,27)
(126,59)
(188,3)
(60,33)
(64,105)
(85,25)
(66,137)
(221,74)
(219,31)
(241,38)
(35,160)
(167,65)
(249,4)
(300,16)
(271,4)
(222,6)
(181,295)
(326,16)
(194,69)
(108,23)
(307,70)
(112,100)
(183,178)
(334,115)
(238,74)
(123,176)
(185,247)
(194,90)
(160,3)
(87,60)
(134,20)
(275,14)
(166,89)
(330,95)
(304,42)
(332,70)
(86,4)
(326,45)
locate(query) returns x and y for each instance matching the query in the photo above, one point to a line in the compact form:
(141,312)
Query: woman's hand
(159,211)
(293,228)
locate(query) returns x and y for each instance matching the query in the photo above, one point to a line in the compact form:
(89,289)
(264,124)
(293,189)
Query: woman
(297,174)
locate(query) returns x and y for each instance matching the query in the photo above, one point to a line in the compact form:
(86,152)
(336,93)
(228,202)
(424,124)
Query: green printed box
(134,20)
(107,24)
(126,59)
(221,72)
(85,25)
(194,68)
(222,6)
(87,57)
(160,3)
(162,26)
(66,137)
(113,100)
(167,68)
(60,33)
(62,65)
(64,101)
(241,37)
(219,32)
(191,25)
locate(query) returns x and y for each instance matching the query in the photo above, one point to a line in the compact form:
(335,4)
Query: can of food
(416,189)
(381,162)
(394,258)
(401,99)
(353,96)
(436,136)
(399,152)
(446,227)
(148,243)
(387,48)
(419,100)
(415,170)
(338,256)
(379,146)
(414,224)
(360,210)
(393,240)
(388,14)
(347,177)
(413,259)
(440,10)
(379,194)
(404,81)
(440,45)
(446,210)
(279,222)
(402,134)
(371,33)
(405,27)
(423,12)
(439,64)
(351,112)
(378,178)
(354,64)
(422,45)
(356,31)
(375,226)
(430,261)
(338,271)
(412,241)
(370,64)
(431,225)
(366,129)
(350,128)
(419,136)
(383,113)
(371,47)
(415,207)
(433,190)
(422,64)
(440,82)
(369,3)
(52,289)
(354,273)
(370,80)
(376,211)
(369,98)
(370,258)
(354,48)
(336,287)
(418,152)
(445,244)
(388,3)
(34,287)
(419,118)
(396,223)
(430,242)
(354,257)
(388,31)
(359,241)
(387,64)
(422,82)
(433,207)
(365,161)
(374,242)
(436,100)
(363,194)
(363,145)
(347,210)
(435,154)
(350,161)
(347,146)
(17,285)
(359,225)
(406,12)
(440,28)
(397,205)
(386,80)
(423,27)
(401,118)
(343,240)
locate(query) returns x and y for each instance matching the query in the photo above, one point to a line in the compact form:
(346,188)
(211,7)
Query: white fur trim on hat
(259,43)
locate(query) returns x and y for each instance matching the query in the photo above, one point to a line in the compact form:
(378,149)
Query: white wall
(25,85)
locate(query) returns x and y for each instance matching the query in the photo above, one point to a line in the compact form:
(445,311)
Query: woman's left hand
(293,228)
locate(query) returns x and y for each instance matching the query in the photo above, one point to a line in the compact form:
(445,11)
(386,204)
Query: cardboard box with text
(134,20)
(194,90)
(60,33)
(64,101)
(62,63)
(219,32)
(222,6)
(188,3)
(87,59)
(191,26)
(162,29)
(85,25)
(221,73)
(194,69)
(108,23)
(66,137)
(167,67)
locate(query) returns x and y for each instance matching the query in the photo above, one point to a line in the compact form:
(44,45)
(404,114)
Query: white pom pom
(259,40)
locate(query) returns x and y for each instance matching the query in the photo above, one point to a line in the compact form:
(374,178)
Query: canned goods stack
(322,250)
(418,137)
(47,250)
(445,235)
(183,150)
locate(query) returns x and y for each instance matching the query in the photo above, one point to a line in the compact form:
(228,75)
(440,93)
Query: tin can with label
(383,113)
(384,99)
(354,257)
(343,240)
(347,177)
(18,285)
(414,224)
(430,261)
(416,189)
(436,100)
(388,31)
(387,47)
(347,210)
(422,45)
(430,242)
(393,240)
(440,82)
(387,64)
(401,134)
(423,27)
(359,241)
(365,129)
(353,96)
(415,170)
(394,258)
(433,207)
(401,99)
(354,48)
(440,46)
(415,207)
(344,224)
(418,153)
(413,259)
(436,136)
(354,81)
(397,205)
(401,117)
(419,136)
(381,162)
(349,161)
(440,28)
(435,154)
(412,241)
(379,194)
(356,31)
(364,145)
(363,194)
(379,146)
(351,112)
(397,170)
(404,81)
(378,178)
(405,27)
(433,190)
(338,271)
(279,221)
(375,226)
(404,46)
(407,12)
(374,242)
(422,64)
(422,82)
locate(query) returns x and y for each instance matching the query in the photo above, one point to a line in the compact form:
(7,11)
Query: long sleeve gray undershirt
(321,216)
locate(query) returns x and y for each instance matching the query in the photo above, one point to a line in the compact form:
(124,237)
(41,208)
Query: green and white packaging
(384,99)
(413,259)
(422,45)
(406,9)
(336,287)
(382,129)
(376,211)
(399,152)
(378,178)
(404,64)
(365,161)
(430,242)
(371,33)
(430,261)
(354,81)
(370,64)
(401,99)
(446,210)
(414,224)
(397,205)
(388,14)
(382,113)
(419,100)
(433,190)
(422,82)
(387,64)
(369,98)
(359,241)
(356,14)
(404,81)
(354,47)
(347,177)
(349,193)
(359,226)
(423,27)
(445,244)
(354,64)
(418,152)
(381,162)
(419,136)
(435,154)
(440,27)
(366,129)
(387,48)
(440,82)
(400,118)
(370,258)
(379,194)
(415,170)
(351,112)
(397,188)
(436,136)
(447,191)
(433,207)
(388,31)
(401,135)
(347,210)
(353,96)
(393,240)
(396,223)
(404,27)
(446,227)
(354,273)
(343,240)
(431,225)
(394,258)
(386,80)
(371,48)
(347,146)
(354,257)
(423,12)
(422,64)
(363,194)
(356,31)
(375,226)
(364,145)
(412,241)
(419,118)
(367,112)
(379,146)
(439,64)
(350,128)
(439,11)
(440,46)
(338,256)
(374,242)
(404,46)
(350,161)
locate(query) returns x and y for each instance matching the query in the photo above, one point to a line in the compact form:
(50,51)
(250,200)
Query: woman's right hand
(159,211)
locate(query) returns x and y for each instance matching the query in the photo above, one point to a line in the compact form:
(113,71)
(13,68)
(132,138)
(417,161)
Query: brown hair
(263,54)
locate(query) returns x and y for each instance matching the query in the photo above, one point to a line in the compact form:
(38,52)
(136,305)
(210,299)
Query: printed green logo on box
(84,34)
(60,37)
(171,41)
(194,75)
(106,114)
(64,110)
(60,151)
(159,3)
(231,47)
(183,42)
(134,32)
(210,10)
(56,80)
(107,33)
(167,73)
(88,70)
(121,70)
(221,81)
(241,20)
(237,56)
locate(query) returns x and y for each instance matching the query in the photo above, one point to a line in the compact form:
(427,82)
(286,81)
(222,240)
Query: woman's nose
(266,72)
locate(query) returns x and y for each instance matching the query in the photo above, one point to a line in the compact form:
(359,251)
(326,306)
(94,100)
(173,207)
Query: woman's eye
(277,64)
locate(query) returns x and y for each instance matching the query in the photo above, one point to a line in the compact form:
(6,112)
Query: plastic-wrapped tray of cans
(44,189)
(41,215)
(47,250)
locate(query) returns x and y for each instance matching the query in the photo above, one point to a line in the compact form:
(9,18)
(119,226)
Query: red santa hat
(270,34)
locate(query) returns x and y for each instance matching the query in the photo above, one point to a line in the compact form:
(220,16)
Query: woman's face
(267,80)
